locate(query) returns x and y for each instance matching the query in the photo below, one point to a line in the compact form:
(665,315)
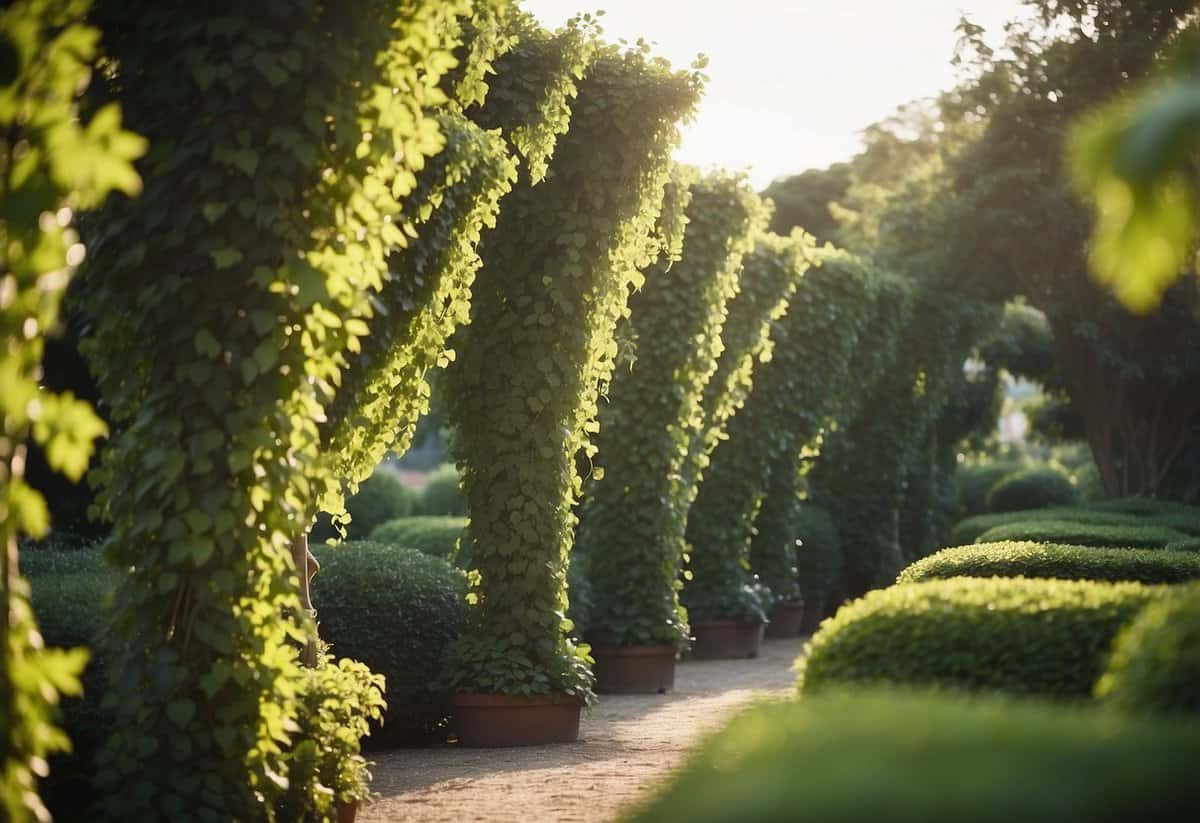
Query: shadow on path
(626,742)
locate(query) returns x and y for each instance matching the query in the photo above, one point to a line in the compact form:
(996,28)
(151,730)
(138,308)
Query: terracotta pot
(726,639)
(346,812)
(491,720)
(634,669)
(787,620)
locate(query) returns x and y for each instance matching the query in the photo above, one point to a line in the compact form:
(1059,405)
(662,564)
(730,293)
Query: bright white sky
(793,81)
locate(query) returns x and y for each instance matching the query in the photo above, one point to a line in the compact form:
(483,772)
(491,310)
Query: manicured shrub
(969,529)
(442,494)
(1039,637)
(819,564)
(398,611)
(1052,560)
(1135,536)
(973,482)
(1168,513)
(1032,488)
(933,758)
(381,497)
(1155,664)
(436,536)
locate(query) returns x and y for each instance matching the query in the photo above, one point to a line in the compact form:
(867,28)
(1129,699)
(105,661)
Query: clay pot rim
(483,700)
(657,650)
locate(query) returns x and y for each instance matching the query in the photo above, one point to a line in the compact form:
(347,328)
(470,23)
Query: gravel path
(626,744)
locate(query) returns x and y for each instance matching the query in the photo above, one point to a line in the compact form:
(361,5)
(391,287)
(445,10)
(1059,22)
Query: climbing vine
(52,164)
(285,137)
(791,396)
(523,391)
(633,520)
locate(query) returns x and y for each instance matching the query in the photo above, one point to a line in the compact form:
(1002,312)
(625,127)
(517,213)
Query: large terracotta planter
(346,812)
(634,669)
(491,720)
(787,620)
(726,639)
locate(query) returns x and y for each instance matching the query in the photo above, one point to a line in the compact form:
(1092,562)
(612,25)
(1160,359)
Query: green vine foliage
(860,475)
(772,271)
(835,391)
(51,165)
(284,138)
(633,520)
(523,392)
(792,395)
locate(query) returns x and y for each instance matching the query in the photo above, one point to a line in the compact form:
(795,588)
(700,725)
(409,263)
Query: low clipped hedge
(1134,536)
(969,529)
(973,482)
(1035,488)
(442,494)
(1053,560)
(1035,637)
(1155,664)
(397,610)
(819,564)
(380,498)
(921,758)
(436,536)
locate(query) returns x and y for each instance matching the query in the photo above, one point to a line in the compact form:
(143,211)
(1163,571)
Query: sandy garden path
(626,745)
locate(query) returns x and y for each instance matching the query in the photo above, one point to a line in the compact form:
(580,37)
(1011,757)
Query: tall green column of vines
(557,275)
(284,137)
(789,400)
(780,520)
(859,476)
(52,164)
(518,111)
(633,520)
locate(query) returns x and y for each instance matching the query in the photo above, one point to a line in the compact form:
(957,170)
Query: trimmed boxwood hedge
(1038,637)
(920,758)
(1134,536)
(973,482)
(437,536)
(969,529)
(1034,488)
(1155,665)
(397,610)
(1053,560)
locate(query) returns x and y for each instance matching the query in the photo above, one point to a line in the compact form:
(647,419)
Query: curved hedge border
(52,162)
(1032,488)
(1038,637)
(1135,536)
(1051,560)
(968,530)
(908,757)
(1155,664)
(556,278)
(633,520)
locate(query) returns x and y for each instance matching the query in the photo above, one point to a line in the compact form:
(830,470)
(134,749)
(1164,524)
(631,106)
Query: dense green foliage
(436,536)
(1054,560)
(634,518)
(523,391)
(380,498)
(285,139)
(1031,489)
(973,482)
(1137,536)
(921,758)
(442,496)
(52,163)
(821,324)
(1037,637)
(1155,662)
(819,565)
(398,610)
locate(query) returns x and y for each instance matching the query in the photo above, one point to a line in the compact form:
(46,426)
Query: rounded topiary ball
(1032,489)
(1155,665)
(398,611)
